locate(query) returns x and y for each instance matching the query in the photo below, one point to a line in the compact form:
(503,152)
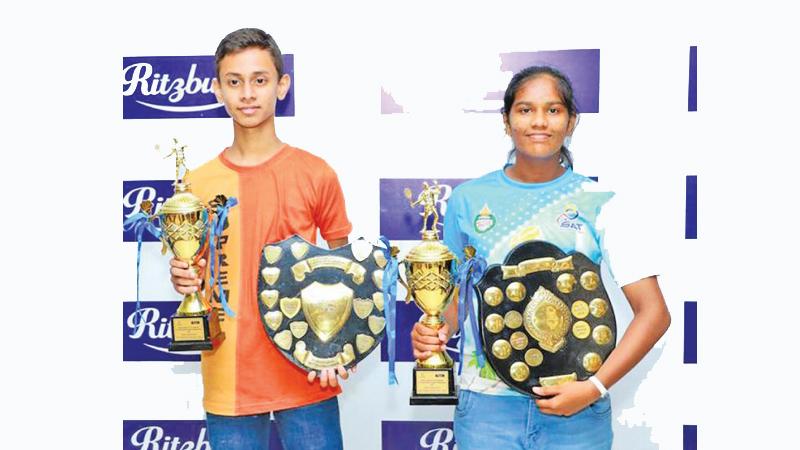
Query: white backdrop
(68,149)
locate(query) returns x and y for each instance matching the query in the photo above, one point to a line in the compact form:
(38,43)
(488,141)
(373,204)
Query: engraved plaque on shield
(322,308)
(545,317)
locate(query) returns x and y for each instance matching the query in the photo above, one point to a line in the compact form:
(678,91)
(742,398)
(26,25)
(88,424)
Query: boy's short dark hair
(245,38)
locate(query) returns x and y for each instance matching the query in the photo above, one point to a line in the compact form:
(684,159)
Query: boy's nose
(247,91)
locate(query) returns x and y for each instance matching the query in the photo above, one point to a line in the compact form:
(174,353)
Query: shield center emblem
(326,307)
(547,318)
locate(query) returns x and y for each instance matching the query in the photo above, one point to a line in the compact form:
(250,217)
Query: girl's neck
(535,171)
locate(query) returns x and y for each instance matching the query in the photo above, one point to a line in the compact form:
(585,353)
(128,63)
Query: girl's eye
(553,110)
(524,110)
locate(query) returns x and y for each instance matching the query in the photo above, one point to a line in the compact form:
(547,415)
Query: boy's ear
(283,86)
(216,88)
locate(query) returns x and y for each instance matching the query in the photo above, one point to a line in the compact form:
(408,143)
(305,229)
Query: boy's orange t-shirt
(294,192)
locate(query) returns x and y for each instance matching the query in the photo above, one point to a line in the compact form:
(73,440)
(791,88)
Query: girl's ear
(573,121)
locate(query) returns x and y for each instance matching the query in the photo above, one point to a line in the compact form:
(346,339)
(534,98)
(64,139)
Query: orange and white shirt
(294,192)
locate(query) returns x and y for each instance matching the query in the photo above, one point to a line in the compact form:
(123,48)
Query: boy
(282,191)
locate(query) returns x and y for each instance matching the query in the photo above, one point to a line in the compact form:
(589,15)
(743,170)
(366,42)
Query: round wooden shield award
(322,308)
(545,317)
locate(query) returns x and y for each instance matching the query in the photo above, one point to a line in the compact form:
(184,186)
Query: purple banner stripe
(690,332)
(399,220)
(134,192)
(177,87)
(691,207)
(417,435)
(151,340)
(175,435)
(690,437)
(582,67)
(693,78)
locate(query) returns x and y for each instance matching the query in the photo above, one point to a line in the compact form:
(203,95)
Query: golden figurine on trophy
(428,269)
(184,224)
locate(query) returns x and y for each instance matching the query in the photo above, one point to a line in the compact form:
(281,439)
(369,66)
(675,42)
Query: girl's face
(538,121)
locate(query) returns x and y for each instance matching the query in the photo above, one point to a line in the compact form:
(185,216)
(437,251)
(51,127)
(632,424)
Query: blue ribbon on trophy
(390,275)
(215,259)
(469,273)
(139,223)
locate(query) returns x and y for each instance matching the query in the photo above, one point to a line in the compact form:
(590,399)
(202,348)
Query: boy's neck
(253,146)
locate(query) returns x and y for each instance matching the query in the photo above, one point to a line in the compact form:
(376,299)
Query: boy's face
(249,86)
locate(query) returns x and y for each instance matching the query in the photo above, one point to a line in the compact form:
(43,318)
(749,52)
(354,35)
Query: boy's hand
(426,340)
(329,376)
(185,280)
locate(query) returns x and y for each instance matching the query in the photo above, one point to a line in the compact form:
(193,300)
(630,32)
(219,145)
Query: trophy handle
(403,282)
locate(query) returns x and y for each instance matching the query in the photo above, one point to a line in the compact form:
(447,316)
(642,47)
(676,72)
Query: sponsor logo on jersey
(485,220)
(570,218)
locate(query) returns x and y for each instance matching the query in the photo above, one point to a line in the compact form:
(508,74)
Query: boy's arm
(336,243)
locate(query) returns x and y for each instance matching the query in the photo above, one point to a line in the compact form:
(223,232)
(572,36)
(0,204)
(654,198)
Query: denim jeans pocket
(465,398)
(602,406)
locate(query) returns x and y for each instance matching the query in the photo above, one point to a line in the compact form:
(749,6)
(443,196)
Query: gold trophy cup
(183,220)
(428,269)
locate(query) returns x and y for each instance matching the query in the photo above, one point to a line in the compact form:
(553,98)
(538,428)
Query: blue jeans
(310,427)
(515,423)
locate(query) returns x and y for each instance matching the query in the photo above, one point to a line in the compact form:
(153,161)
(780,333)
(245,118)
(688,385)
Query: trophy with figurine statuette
(429,282)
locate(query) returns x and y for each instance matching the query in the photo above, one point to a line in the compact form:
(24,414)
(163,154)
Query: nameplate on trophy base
(191,333)
(433,387)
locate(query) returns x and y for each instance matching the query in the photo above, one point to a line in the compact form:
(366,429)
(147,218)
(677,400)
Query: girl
(537,196)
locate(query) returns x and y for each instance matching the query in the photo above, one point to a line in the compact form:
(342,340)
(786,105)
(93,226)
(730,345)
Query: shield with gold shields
(322,308)
(546,318)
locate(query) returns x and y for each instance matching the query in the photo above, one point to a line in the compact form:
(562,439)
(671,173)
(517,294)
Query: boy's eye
(233,82)
(260,81)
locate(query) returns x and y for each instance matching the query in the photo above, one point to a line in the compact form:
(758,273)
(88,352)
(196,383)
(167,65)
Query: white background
(67,149)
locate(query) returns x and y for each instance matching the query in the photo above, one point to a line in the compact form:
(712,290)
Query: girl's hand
(566,399)
(426,340)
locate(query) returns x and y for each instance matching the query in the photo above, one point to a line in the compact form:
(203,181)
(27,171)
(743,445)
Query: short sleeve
(453,237)
(330,214)
(628,246)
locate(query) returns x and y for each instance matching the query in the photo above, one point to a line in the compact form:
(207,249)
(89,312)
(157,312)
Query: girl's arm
(651,319)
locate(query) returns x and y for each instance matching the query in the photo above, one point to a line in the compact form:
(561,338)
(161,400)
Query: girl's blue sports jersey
(494,214)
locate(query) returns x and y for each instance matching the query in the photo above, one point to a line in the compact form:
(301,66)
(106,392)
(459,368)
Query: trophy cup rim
(430,252)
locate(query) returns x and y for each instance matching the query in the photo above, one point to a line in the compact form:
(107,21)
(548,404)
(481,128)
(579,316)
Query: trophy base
(433,387)
(192,333)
